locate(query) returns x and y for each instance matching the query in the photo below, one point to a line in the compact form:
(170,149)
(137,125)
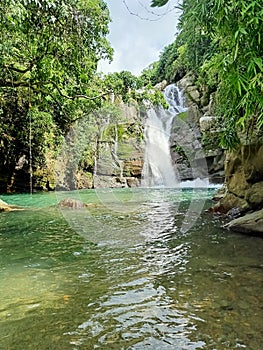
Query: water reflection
(134,282)
(141,310)
(160,221)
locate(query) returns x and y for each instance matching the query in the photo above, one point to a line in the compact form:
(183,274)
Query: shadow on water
(113,278)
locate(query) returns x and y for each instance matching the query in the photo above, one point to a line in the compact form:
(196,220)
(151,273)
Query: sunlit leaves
(69,36)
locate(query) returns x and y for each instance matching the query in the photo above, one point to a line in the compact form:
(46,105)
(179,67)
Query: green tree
(150,75)
(121,84)
(49,50)
(52,45)
(132,89)
(172,63)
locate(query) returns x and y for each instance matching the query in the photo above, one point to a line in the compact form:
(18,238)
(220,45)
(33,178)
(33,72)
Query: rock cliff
(195,136)
(113,155)
(243,178)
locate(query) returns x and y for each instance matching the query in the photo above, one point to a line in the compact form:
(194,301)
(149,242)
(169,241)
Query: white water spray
(158,170)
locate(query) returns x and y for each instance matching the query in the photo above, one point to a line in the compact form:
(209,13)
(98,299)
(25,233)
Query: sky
(138,34)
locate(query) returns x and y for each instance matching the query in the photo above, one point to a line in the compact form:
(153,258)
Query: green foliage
(49,50)
(21,126)
(173,62)
(132,89)
(223,41)
(168,56)
(150,75)
(172,65)
(121,83)
(52,45)
(239,65)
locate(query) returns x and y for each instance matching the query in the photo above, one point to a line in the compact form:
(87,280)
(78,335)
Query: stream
(121,274)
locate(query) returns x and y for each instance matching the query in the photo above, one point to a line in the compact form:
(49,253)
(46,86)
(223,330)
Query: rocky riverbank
(251,223)
(243,190)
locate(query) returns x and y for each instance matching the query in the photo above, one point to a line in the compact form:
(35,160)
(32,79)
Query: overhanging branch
(155,16)
(35,86)
(78,96)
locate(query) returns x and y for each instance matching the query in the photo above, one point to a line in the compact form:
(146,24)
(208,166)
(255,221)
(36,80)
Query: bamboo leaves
(158,3)
(232,57)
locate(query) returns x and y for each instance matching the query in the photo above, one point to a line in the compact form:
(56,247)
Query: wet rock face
(195,136)
(244,179)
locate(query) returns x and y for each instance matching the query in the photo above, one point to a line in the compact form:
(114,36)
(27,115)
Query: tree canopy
(49,50)
(52,44)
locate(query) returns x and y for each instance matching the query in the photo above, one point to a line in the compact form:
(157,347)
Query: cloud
(138,34)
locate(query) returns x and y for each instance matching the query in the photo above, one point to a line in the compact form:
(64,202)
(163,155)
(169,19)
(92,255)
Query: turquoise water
(137,269)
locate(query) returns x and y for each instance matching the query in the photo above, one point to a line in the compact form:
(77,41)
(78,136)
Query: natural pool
(123,274)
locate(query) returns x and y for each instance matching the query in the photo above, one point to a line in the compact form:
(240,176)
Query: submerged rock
(250,223)
(72,204)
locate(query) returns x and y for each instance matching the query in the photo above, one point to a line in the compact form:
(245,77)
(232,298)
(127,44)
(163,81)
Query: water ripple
(140,315)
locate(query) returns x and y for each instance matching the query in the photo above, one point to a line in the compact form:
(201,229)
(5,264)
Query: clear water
(121,274)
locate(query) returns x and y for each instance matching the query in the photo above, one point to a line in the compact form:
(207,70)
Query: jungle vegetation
(221,42)
(49,52)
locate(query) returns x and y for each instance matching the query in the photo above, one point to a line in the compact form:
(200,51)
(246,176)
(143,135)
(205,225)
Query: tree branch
(152,13)
(14,84)
(15,69)
(31,64)
(79,95)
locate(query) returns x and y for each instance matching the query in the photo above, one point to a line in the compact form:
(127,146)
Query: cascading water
(158,169)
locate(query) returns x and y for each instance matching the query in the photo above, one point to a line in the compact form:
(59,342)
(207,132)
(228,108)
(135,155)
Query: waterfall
(158,170)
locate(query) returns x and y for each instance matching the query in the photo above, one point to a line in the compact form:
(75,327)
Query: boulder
(161,86)
(237,184)
(72,204)
(254,195)
(250,223)
(243,179)
(4,206)
(229,201)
